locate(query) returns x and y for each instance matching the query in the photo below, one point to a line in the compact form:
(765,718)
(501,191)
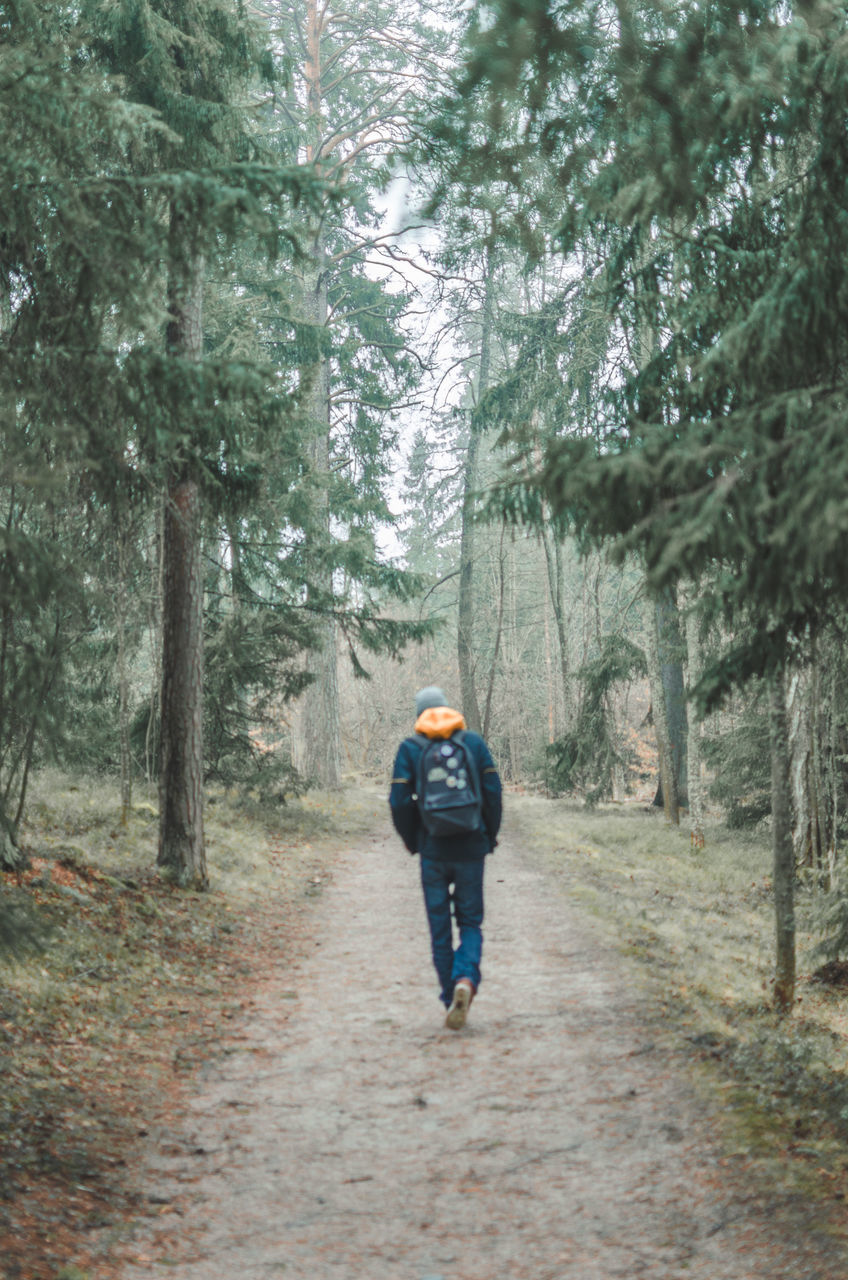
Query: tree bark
(466,611)
(784,854)
(695,787)
(498,635)
(321,713)
(322,739)
(819,835)
(798,746)
(181,842)
(512,667)
(152,738)
(671,650)
(667,694)
(553,563)
(667,774)
(123,680)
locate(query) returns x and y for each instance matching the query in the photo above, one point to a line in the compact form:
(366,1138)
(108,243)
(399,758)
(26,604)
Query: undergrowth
(700,924)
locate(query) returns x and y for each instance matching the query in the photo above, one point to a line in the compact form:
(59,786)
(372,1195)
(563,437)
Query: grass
(132,986)
(700,926)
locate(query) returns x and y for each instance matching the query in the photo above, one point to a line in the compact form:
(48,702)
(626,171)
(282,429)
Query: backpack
(448,786)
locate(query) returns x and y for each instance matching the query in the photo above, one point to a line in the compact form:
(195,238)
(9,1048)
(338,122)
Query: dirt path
(348,1135)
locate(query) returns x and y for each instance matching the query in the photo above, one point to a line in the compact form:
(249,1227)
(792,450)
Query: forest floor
(271,1092)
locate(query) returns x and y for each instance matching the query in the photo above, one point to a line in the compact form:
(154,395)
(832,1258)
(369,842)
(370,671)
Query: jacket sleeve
(404,808)
(490,784)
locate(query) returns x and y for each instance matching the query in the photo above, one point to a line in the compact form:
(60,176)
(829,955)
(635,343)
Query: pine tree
(72,290)
(193,63)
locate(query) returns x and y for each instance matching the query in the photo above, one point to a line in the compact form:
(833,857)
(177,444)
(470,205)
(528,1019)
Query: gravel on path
(347,1135)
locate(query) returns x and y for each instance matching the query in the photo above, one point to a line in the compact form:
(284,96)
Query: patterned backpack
(448,786)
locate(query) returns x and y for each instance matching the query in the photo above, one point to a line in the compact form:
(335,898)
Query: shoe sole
(458,1011)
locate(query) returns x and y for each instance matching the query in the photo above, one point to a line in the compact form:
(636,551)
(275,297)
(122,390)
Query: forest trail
(346,1134)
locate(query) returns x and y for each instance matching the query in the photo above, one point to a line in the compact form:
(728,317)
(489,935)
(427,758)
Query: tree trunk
(553,563)
(321,714)
(322,739)
(695,786)
(671,651)
(833,789)
(512,667)
(667,694)
(152,738)
(181,845)
(798,745)
(820,836)
(237,593)
(123,680)
(667,773)
(466,610)
(498,635)
(549,681)
(784,855)
(811,769)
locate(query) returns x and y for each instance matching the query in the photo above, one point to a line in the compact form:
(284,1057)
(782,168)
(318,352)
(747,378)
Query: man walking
(446,806)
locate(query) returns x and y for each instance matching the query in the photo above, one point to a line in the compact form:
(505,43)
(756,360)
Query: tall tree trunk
(811,773)
(498,634)
(321,714)
(784,853)
(820,838)
(833,789)
(123,679)
(671,651)
(152,738)
(668,779)
(695,786)
(556,592)
(237,596)
(11,857)
(667,694)
(562,632)
(466,611)
(549,681)
(322,739)
(799,734)
(512,667)
(181,844)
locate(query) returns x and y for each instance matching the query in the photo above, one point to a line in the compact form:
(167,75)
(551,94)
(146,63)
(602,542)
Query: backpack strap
(420,741)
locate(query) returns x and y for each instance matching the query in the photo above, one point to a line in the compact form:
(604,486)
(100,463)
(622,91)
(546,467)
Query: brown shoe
(463,994)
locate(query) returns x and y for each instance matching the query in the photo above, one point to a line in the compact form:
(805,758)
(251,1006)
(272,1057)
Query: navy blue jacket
(406,816)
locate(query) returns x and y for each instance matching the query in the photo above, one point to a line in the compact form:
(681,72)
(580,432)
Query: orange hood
(439,722)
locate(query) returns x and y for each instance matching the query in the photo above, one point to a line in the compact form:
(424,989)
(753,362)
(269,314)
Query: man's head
(432,696)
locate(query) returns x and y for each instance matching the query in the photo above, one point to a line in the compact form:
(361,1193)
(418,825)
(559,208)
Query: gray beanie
(432,696)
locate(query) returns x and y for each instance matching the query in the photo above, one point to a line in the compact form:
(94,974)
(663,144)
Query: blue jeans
(458,881)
